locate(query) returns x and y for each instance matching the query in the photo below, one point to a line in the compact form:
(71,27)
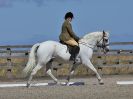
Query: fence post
(99,62)
(9,64)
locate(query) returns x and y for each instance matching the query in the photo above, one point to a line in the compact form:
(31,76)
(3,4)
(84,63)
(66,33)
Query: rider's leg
(71,42)
(75,49)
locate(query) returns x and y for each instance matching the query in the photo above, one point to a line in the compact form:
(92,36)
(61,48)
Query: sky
(33,21)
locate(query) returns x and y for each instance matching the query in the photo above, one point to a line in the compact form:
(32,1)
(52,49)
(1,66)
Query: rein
(86,44)
(103,45)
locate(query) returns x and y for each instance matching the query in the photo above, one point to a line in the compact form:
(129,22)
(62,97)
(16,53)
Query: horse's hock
(14,58)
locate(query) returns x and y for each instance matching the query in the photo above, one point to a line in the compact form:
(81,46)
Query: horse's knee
(72,72)
(48,71)
(94,70)
(33,72)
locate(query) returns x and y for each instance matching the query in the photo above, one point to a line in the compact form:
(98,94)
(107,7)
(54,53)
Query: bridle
(103,45)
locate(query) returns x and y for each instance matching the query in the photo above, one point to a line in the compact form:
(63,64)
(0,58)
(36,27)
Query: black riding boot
(74,52)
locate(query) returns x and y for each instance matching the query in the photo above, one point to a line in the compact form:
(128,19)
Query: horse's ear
(104,33)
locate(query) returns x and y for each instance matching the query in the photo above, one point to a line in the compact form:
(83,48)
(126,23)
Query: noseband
(103,45)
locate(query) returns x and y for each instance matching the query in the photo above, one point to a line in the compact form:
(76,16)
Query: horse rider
(68,37)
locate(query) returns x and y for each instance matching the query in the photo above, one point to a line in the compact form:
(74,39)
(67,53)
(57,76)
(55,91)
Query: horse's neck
(92,38)
(89,42)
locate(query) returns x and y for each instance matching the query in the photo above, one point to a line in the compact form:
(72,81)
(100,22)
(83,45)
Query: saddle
(69,47)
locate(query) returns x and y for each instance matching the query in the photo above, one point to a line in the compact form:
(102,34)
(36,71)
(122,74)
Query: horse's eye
(106,40)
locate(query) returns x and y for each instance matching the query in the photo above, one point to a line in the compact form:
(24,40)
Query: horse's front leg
(88,63)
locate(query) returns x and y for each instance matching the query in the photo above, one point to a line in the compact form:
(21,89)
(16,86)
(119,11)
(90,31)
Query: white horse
(42,54)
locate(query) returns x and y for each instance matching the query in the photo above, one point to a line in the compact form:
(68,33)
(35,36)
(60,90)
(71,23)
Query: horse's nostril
(107,50)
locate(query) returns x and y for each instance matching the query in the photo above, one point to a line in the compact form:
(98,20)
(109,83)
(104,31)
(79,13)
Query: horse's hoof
(68,84)
(101,82)
(57,82)
(28,85)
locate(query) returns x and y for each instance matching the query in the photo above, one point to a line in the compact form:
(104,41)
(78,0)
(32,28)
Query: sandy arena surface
(91,89)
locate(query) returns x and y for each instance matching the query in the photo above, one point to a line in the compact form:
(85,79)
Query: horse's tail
(32,60)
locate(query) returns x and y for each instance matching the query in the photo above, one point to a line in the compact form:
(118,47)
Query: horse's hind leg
(34,71)
(49,72)
(71,72)
(90,65)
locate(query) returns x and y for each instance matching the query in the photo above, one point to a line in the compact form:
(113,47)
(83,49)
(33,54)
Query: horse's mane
(92,35)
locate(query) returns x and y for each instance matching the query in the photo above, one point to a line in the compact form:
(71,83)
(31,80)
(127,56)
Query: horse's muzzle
(107,50)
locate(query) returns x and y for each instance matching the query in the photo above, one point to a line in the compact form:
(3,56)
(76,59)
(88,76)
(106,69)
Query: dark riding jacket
(67,32)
